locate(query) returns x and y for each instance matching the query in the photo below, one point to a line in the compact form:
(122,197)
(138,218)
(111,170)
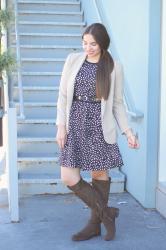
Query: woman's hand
(61,136)
(132,139)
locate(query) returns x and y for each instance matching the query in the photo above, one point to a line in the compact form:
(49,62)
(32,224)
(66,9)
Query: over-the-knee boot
(103,187)
(93,199)
(93,227)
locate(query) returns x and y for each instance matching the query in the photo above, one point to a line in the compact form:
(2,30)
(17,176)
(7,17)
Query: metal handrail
(21,101)
(131,110)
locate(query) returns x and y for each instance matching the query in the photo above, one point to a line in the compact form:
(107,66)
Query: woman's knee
(69,176)
(100,175)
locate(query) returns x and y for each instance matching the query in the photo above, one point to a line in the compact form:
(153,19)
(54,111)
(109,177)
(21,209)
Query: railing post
(10,122)
(11,163)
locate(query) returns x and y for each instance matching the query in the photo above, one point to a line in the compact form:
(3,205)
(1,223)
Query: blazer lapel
(74,72)
(77,67)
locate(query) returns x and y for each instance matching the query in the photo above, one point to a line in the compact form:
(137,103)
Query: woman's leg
(94,200)
(101,183)
(70,176)
(100,175)
(93,227)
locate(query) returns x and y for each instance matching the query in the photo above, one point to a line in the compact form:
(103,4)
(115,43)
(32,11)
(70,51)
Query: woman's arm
(61,135)
(119,109)
(62,97)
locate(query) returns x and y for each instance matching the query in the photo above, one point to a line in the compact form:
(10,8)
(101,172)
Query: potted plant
(7,60)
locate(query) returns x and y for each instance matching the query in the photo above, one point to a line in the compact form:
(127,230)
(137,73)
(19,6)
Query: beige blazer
(113,110)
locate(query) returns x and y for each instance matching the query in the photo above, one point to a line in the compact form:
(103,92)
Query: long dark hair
(106,63)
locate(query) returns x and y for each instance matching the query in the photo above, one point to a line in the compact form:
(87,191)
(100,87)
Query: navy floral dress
(85,147)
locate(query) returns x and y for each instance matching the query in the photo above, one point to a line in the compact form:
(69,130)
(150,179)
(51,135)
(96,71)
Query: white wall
(134,27)
(162,153)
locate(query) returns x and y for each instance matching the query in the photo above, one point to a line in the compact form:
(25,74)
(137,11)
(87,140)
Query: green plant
(6,17)
(7,61)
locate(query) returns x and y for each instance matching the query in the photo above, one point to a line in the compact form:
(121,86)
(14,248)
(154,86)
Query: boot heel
(116,212)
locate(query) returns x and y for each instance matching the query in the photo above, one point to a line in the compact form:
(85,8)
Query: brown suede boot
(103,187)
(93,199)
(93,227)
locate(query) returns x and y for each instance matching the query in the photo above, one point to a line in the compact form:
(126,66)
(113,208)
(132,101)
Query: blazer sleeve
(119,109)
(62,96)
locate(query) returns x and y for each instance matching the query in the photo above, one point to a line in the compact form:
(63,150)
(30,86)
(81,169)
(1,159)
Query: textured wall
(134,27)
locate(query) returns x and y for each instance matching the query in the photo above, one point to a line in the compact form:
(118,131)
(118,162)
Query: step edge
(51,12)
(48,34)
(52,23)
(52,2)
(36,88)
(37,73)
(37,159)
(42,59)
(49,46)
(36,139)
(36,121)
(37,104)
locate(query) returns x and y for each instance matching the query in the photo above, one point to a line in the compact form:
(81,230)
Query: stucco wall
(134,27)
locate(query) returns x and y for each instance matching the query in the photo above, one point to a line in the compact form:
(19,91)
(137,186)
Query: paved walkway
(47,221)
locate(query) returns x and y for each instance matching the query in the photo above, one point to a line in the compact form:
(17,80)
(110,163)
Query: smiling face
(91,47)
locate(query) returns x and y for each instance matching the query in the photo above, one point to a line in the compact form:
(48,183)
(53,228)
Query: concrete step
(50,79)
(3,181)
(37,165)
(51,27)
(42,64)
(41,184)
(51,1)
(36,121)
(36,128)
(30,184)
(32,15)
(37,80)
(37,93)
(30,38)
(32,146)
(51,51)
(38,110)
(49,5)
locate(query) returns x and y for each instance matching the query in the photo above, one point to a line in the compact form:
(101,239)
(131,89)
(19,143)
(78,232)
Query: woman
(90,101)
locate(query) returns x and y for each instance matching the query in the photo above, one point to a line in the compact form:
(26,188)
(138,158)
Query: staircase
(49,31)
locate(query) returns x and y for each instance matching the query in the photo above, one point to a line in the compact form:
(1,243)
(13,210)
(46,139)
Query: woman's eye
(92,44)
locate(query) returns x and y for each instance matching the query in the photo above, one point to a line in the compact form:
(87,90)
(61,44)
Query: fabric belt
(86,98)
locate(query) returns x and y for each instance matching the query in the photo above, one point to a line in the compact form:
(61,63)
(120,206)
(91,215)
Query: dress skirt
(85,147)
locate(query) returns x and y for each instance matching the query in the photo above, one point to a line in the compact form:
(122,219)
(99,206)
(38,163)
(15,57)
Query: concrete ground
(48,221)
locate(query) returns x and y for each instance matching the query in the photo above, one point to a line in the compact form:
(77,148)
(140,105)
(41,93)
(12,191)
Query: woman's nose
(88,48)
